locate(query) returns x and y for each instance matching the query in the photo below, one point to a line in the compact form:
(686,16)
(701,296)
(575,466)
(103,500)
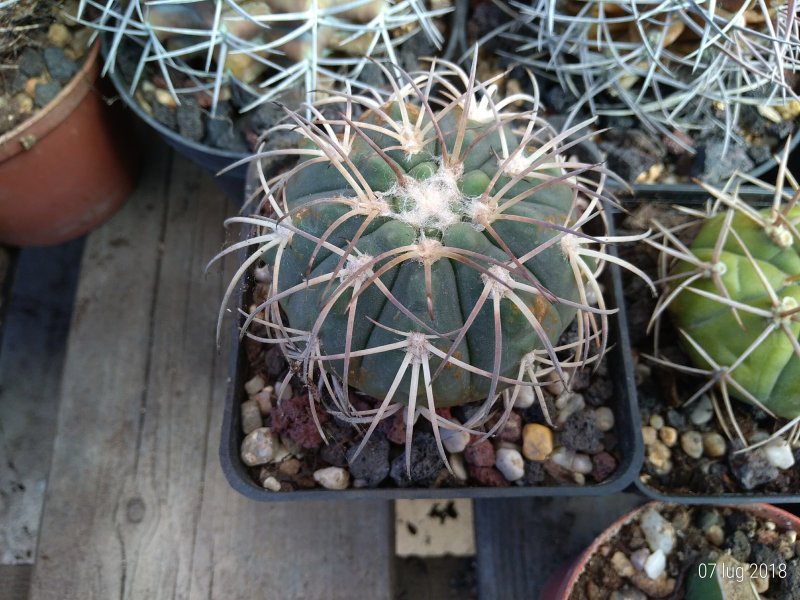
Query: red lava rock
(603,465)
(445,413)
(512,430)
(395,428)
(293,419)
(480,454)
(359,402)
(487,476)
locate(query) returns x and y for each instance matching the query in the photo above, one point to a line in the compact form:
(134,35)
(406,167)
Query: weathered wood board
(136,505)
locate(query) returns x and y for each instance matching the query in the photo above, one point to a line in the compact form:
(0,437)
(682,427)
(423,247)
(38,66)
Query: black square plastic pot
(696,201)
(626,415)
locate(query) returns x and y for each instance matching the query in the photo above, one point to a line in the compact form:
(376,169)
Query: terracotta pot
(560,585)
(77,170)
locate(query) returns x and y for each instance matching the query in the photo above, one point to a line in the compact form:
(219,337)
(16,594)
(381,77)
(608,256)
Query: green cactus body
(437,208)
(771,372)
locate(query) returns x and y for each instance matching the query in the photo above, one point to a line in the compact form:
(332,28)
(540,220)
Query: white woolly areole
(719,267)
(781,235)
(433,203)
(500,284)
(429,250)
(418,348)
(570,244)
(351,268)
(411,140)
(788,304)
(282,232)
(483,111)
(480,213)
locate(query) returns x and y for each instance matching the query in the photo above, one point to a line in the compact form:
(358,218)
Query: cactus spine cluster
(734,293)
(675,65)
(265,46)
(430,251)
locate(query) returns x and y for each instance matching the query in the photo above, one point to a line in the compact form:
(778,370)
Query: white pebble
(572,461)
(255,385)
(656,422)
(568,404)
(453,440)
(659,533)
(604,418)
(509,462)
(457,464)
(655,565)
(259,447)
(639,558)
(555,385)
(525,397)
(692,443)
(779,454)
(271,484)
(332,478)
(703,412)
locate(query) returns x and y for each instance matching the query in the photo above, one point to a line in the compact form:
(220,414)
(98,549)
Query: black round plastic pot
(626,415)
(694,200)
(212,160)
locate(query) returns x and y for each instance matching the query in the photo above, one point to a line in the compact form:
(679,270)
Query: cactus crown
(734,293)
(675,65)
(429,250)
(264,46)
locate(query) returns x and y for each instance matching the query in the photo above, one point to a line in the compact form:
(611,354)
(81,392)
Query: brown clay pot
(560,585)
(77,170)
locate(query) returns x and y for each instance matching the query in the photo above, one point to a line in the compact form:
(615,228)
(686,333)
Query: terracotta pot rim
(47,118)
(787,520)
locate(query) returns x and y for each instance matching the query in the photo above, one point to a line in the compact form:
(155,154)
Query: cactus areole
(742,313)
(428,250)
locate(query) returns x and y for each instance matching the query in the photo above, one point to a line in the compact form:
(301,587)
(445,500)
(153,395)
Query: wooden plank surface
(14,581)
(137,506)
(522,542)
(32,346)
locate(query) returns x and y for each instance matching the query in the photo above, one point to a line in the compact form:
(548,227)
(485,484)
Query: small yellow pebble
(537,442)
(649,435)
(59,35)
(714,445)
(668,435)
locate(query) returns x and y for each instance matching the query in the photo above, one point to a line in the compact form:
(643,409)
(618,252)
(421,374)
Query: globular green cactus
(734,293)
(430,251)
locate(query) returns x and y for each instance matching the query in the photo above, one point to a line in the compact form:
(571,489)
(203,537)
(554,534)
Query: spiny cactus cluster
(429,252)
(264,46)
(734,294)
(677,66)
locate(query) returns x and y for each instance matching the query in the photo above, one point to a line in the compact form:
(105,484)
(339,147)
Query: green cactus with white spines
(734,293)
(430,251)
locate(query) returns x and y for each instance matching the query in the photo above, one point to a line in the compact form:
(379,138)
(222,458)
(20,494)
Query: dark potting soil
(663,392)
(634,153)
(41,49)
(382,461)
(766,553)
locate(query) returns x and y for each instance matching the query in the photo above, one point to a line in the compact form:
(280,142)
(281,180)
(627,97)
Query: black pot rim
(726,498)
(174,136)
